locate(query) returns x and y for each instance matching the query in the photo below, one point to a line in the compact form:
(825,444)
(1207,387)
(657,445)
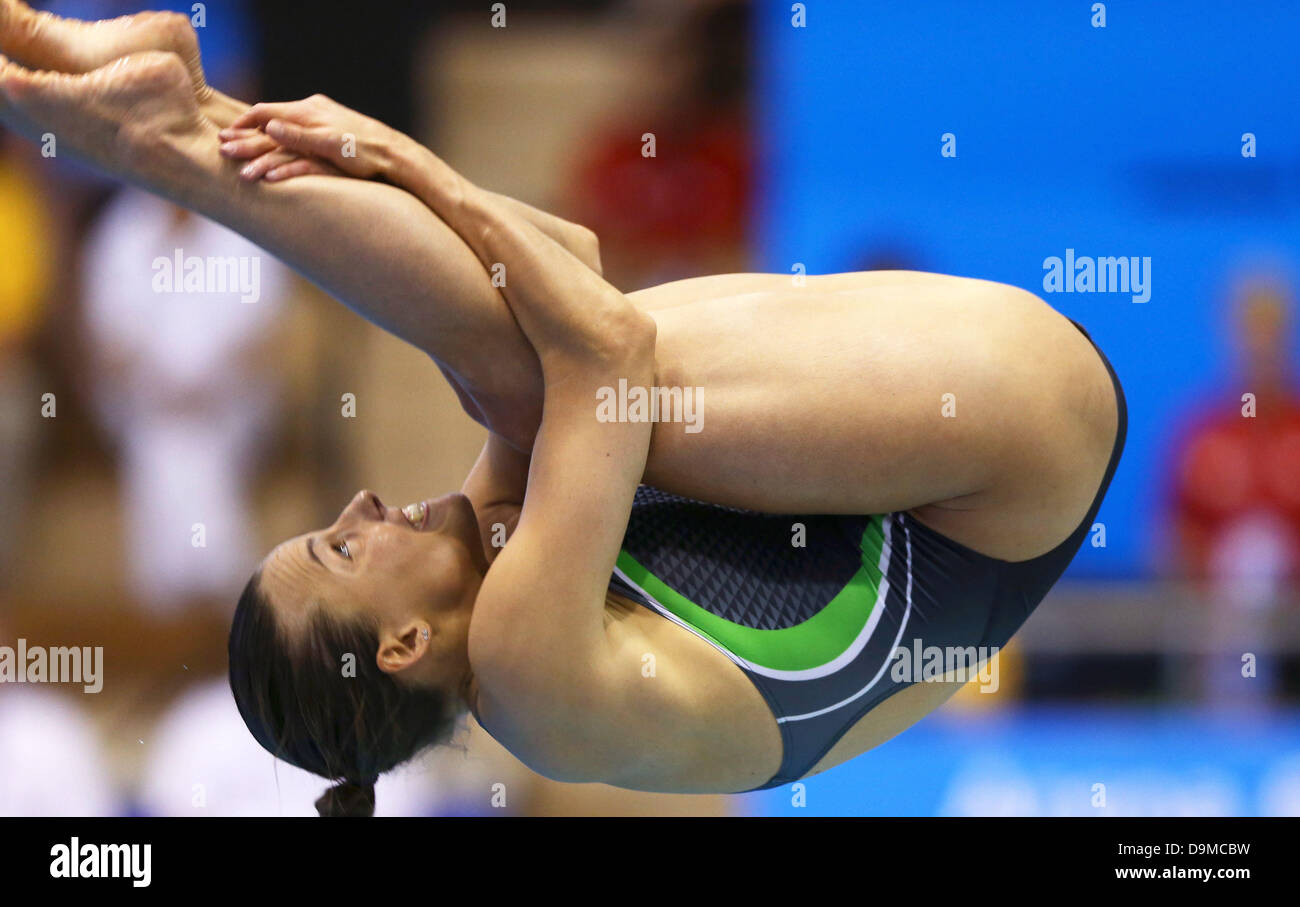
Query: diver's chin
(460,522)
(447,512)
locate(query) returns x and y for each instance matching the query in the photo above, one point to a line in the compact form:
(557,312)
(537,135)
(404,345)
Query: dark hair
(347,799)
(296,700)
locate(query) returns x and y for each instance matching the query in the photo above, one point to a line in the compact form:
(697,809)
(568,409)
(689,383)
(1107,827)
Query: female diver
(876,461)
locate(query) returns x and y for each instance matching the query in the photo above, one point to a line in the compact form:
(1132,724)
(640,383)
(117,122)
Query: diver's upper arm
(539,618)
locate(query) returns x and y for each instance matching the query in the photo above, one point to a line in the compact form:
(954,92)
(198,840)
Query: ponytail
(348,800)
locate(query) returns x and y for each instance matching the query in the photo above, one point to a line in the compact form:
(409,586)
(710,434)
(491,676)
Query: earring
(426,632)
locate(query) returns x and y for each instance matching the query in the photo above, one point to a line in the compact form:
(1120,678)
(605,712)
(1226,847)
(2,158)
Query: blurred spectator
(182,381)
(685,210)
(26,250)
(203,762)
(73,193)
(51,763)
(1236,496)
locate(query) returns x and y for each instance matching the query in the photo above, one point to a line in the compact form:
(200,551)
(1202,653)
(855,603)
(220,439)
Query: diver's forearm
(577,239)
(560,303)
(425,175)
(430,179)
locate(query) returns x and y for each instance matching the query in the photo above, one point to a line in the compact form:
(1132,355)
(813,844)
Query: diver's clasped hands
(312,136)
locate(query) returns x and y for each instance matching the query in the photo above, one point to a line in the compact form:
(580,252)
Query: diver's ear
(403,648)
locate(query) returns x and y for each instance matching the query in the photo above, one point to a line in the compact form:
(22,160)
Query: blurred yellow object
(26,252)
(1006,671)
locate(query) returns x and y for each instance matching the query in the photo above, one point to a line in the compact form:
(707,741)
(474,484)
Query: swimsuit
(821,611)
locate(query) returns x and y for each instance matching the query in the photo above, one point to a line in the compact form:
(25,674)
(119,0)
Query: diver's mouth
(432,515)
(417,514)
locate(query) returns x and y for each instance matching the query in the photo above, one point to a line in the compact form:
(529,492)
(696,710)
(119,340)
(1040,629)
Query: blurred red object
(1237,469)
(667,184)
(694,192)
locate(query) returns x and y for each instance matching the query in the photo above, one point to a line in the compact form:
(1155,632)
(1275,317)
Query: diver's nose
(365,505)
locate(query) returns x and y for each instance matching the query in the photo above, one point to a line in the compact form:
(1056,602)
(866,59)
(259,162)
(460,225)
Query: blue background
(1123,140)
(1045,761)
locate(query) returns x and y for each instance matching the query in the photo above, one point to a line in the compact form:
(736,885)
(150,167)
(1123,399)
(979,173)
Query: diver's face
(423,562)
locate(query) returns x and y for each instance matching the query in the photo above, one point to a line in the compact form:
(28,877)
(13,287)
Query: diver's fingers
(250,144)
(257,116)
(256,169)
(302,167)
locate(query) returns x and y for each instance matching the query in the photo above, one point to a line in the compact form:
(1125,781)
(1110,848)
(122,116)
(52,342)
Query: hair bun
(347,800)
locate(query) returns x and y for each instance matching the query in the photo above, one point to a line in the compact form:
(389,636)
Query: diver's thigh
(964,397)
(848,403)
